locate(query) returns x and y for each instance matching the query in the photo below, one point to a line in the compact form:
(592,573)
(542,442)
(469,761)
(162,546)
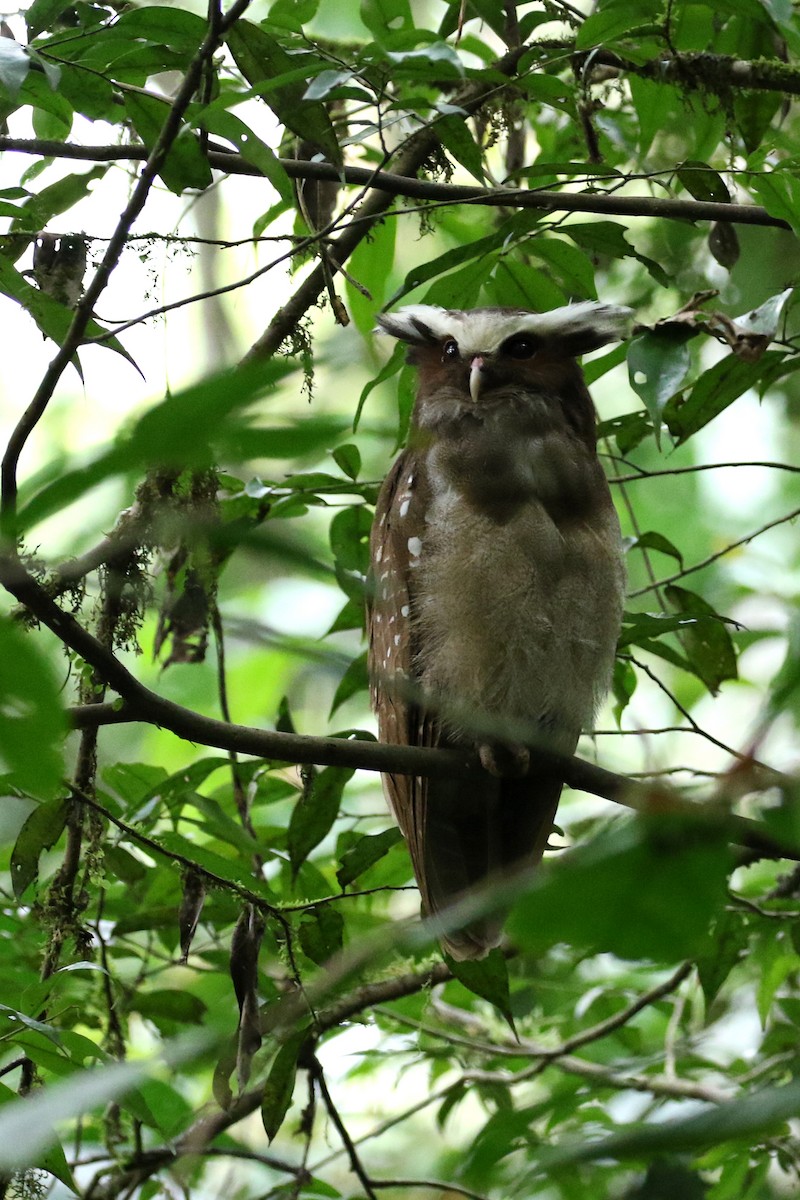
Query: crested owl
(497,586)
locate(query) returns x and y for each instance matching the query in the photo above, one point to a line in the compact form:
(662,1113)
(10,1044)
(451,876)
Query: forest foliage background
(213,971)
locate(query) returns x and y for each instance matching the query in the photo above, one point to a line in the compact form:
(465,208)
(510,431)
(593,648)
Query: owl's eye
(450,352)
(521,345)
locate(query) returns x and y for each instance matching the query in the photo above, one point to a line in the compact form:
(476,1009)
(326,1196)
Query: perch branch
(142,704)
(395,183)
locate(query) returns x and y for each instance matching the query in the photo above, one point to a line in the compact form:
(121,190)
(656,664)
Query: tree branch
(356,1166)
(396,183)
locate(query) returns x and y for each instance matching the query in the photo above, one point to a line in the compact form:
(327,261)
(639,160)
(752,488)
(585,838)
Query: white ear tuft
(419,324)
(584,326)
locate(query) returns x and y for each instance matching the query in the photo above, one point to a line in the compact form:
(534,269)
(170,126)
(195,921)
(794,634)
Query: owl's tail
(472,833)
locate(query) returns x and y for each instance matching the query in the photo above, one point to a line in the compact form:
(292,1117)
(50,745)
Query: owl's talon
(504,760)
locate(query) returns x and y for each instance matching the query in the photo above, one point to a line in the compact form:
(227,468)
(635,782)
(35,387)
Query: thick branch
(718,73)
(395,184)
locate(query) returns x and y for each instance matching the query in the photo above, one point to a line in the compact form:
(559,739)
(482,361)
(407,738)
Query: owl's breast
(517,618)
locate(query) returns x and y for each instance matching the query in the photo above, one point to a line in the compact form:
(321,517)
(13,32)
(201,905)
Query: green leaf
(354,680)
(778,961)
(754,112)
(293,14)
(461,288)
(43,14)
(185,166)
(613,21)
(655,541)
(608,238)
(623,686)
(262,60)
(158,1105)
(390,368)
(431,268)
(702,182)
(386,17)
(230,870)
(163,25)
(315,812)
(279,1086)
(639,629)
(321,932)
(728,945)
(59,197)
(764,320)
(628,431)
(90,94)
(329,82)
(419,64)
(714,391)
(40,832)
(488,978)
(349,537)
(570,266)
(218,120)
(370,269)
(707,642)
(784,692)
(348,459)
(368,850)
(169,1009)
(455,136)
(723,244)
(658,363)
(779,192)
(671,873)
(15,63)
(33,723)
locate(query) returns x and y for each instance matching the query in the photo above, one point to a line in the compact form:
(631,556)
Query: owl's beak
(475,377)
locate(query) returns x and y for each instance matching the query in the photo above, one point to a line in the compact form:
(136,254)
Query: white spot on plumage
(404,507)
(397,639)
(415,546)
(405,610)
(379,554)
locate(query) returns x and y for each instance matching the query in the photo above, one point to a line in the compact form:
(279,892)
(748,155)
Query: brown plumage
(497,585)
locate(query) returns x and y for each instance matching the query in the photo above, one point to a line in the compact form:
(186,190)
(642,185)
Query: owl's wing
(399,515)
(444,822)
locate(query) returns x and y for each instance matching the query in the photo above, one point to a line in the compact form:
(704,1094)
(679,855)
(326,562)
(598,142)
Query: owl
(496,587)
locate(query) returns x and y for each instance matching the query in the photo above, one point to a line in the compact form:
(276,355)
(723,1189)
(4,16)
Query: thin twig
(712,558)
(318,1075)
(641,473)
